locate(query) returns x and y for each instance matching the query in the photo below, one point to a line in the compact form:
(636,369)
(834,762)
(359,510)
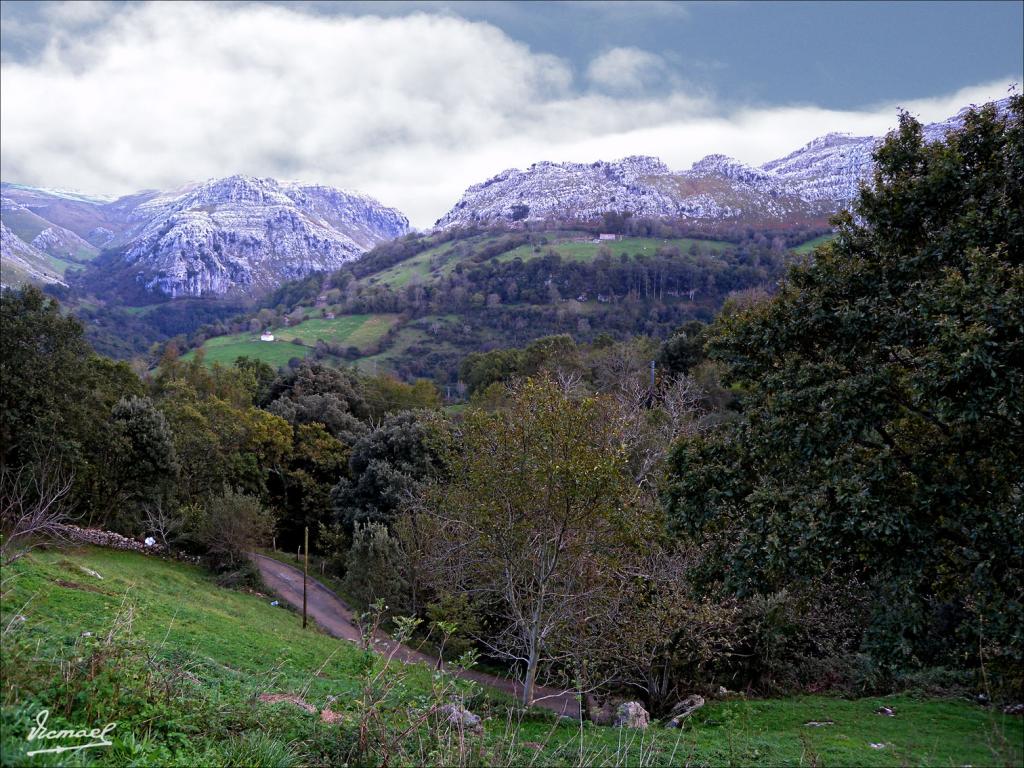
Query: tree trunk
(531,671)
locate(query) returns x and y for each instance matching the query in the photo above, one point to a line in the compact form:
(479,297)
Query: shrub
(234,525)
(374,569)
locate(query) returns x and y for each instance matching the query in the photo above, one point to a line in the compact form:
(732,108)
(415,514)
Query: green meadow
(359,331)
(180,664)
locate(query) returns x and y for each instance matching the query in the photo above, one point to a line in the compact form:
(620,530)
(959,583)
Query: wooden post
(305,570)
(298,553)
(274,541)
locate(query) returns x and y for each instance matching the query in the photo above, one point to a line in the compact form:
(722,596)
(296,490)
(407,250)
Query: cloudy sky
(412,102)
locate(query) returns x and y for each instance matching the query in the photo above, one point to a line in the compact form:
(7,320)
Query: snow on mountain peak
(251,233)
(806,185)
(238,233)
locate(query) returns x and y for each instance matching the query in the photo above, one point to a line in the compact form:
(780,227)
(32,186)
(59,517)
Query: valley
(707,459)
(477,289)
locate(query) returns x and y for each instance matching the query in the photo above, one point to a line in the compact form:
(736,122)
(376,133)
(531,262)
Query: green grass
(226,349)
(353,330)
(359,331)
(630,246)
(774,732)
(810,245)
(231,646)
(141,310)
(383,361)
(419,266)
(575,246)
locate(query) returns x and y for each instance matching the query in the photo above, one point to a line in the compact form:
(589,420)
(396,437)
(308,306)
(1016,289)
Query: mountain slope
(22,262)
(243,233)
(804,187)
(52,239)
(232,235)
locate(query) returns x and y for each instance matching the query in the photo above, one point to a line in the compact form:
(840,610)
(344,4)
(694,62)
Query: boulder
(631,714)
(462,718)
(684,709)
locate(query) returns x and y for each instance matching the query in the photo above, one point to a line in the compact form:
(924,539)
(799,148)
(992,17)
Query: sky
(412,102)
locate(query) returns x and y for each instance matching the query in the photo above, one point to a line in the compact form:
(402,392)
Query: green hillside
(360,331)
(810,245)
(441,260)
(491,291)
(585,249)
(27,225)
(180,664)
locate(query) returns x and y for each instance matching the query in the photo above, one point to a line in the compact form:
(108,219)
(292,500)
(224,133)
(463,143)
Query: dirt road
(327,610)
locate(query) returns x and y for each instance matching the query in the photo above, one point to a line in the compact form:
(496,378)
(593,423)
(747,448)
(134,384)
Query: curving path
(328,610)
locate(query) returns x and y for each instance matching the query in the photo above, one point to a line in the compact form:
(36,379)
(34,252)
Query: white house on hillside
(266,336)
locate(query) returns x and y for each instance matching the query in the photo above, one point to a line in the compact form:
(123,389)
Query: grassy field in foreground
(229,647)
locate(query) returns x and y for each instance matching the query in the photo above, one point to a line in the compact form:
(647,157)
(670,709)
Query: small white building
(606,236)
(266,336)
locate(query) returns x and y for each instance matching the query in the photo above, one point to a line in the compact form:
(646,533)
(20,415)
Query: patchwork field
(353,330)
(350,330)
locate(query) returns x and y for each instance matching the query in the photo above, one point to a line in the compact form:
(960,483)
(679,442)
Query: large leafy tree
(536,513)
(56,398)
(884,388)
(43,377)
(314,393)
(387,466)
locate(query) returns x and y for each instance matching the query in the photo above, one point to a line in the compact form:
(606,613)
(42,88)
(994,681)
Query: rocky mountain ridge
(21,261)
(230,235)
(806,186)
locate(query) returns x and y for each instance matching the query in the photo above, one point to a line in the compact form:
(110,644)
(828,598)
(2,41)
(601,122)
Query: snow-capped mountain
(715,188)
(805,186)
(23,262)
(226,235)
(246,233)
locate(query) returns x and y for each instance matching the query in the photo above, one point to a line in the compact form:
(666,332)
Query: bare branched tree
(33,506)
(569,382)
(160,519)
(649,425)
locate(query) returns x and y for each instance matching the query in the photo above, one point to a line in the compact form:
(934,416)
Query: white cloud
(626,70)
(77,12)
(411,109)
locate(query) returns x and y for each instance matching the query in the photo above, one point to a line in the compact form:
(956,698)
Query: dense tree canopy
(883,403)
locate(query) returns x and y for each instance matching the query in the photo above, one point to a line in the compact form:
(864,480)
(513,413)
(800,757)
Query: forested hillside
(435,298)
(818,490)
